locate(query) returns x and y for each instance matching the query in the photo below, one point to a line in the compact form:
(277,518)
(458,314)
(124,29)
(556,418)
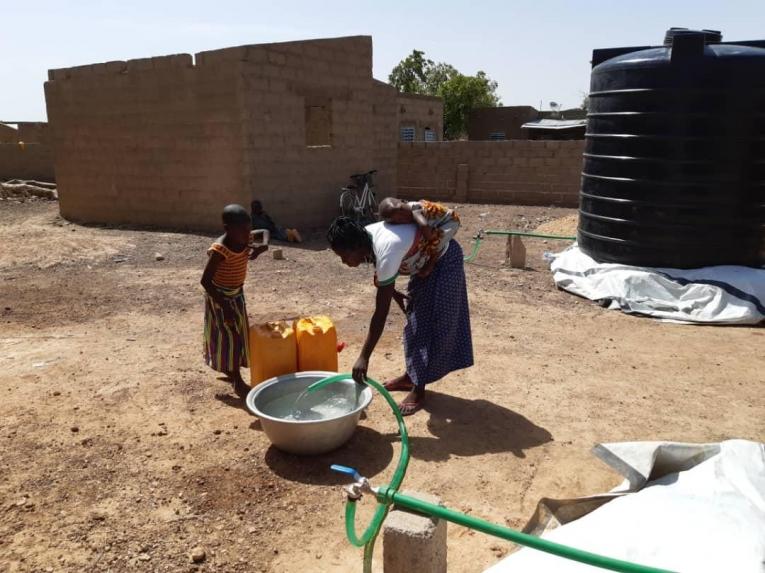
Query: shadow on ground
(368,451)
(464,427)
(233,401)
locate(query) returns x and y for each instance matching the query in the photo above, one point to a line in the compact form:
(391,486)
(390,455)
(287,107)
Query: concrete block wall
(385,139)
(153,141)
(28,161)
(511,172)
(168,141)
(298,183)
(420,112)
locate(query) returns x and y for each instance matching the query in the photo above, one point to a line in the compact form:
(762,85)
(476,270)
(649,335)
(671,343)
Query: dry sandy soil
(121,451)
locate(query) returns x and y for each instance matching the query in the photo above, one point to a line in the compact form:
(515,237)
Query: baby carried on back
(436,226)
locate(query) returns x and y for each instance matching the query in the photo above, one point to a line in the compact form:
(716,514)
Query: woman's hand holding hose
(376,327)
(360,369)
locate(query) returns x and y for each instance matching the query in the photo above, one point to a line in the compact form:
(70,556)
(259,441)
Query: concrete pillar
(516,252)
(413,542)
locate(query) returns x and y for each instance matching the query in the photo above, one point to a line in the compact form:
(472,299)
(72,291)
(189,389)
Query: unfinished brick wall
(385,139)
(516,172)
(154,141)
(28,161)
(421,112)
(168,142)
(299,182)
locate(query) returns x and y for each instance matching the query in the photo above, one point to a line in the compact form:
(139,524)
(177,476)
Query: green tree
(410,73)
(436,75)
(419,75)
(461,94)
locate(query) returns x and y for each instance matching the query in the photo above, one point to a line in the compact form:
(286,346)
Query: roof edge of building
(187,60)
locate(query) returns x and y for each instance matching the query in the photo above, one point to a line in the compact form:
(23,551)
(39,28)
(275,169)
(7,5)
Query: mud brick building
(502,123)
(168,141)
(420,118)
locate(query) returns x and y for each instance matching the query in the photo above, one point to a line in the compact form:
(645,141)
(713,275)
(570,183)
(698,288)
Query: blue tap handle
(347,471)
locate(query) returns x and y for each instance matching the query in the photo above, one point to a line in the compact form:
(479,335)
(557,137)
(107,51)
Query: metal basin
(331,414)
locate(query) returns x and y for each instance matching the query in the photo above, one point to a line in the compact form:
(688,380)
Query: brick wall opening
(318,122)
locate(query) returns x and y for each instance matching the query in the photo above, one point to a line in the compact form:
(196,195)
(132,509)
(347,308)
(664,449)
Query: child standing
(226,345)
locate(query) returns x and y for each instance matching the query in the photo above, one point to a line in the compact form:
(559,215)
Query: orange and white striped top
(233,270)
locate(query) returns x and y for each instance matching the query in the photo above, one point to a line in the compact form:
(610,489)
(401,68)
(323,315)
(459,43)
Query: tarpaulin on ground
(682,507)
(711,295)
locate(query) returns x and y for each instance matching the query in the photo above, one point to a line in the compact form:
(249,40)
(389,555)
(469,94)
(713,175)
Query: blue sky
(537,51)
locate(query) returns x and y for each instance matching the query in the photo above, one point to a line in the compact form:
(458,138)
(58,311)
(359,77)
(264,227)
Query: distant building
(33,131)
(8,134)
(25,132)
(500,123)
(25,152)
(420,118)
(555,129)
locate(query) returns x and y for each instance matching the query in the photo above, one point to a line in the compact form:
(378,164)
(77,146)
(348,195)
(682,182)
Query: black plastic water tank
(674,165)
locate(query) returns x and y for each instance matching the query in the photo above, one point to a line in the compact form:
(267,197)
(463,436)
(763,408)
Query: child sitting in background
(262,220)
(436,223)
(226,346)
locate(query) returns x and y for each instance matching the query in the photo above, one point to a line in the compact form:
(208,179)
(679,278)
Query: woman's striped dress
(226,345)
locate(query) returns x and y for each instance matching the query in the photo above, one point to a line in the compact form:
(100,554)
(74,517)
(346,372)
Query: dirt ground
(121,451)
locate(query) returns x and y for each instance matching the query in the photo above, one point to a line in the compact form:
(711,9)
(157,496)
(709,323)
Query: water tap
(360,484)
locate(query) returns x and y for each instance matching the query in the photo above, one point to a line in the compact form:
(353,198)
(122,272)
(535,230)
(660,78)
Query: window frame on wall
(408,129)
(429,134)
(497,136)
(318,122)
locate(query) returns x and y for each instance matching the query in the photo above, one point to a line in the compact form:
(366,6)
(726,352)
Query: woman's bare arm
(376,328)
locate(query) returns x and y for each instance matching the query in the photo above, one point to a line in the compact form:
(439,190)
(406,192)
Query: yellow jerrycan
(316,344)
(273,351)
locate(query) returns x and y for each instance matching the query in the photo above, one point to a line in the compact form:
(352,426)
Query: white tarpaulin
(712,295)
(698,508)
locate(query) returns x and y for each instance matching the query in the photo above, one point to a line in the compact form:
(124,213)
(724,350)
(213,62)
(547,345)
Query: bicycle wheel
(369,206)
(347,202)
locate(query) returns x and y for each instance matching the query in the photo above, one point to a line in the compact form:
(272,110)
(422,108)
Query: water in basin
(326,403)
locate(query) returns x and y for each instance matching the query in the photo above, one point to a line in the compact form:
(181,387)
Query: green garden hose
(533,235)
(480,236)
(388,495)
(367,539)
(423,507)
(474,252)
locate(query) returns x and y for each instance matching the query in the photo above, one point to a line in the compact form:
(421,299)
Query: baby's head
(236,222)
(394,211)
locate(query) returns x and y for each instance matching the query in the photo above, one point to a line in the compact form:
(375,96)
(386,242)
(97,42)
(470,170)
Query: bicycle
(358,200)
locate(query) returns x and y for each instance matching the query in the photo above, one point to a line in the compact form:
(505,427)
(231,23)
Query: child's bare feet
(401,384)
(240,386)
(241,389)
